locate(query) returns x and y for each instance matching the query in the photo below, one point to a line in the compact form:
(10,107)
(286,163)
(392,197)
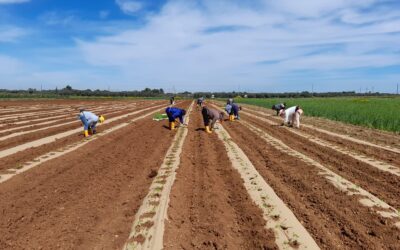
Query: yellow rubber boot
(208,130)
(172,125)
(86,133)
(231,118)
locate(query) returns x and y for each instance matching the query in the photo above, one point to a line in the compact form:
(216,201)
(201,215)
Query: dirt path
(86,199)
(209,206)
(335,220)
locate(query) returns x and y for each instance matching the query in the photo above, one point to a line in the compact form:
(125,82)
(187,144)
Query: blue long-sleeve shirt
(87,119)
(232,109)
(174,113)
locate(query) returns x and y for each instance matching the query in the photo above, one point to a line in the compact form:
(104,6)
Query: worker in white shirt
(291,116)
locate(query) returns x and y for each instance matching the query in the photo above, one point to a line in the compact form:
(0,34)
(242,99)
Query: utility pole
(397,92)
(312,89)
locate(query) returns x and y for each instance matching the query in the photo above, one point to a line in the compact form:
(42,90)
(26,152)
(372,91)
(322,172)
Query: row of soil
(377,153)
(55,119)
(27,121)
(209,205)
(382,184)
(17,140)
(29,117)
(335,220)
(15,160)
(86,199)
(362,133)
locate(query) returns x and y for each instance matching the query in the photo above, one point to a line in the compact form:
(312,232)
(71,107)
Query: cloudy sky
(200,45)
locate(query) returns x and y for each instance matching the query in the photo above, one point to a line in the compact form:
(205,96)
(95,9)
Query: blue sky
(209,45)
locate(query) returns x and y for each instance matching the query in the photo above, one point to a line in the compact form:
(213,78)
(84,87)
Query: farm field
(373,112)
(251,184)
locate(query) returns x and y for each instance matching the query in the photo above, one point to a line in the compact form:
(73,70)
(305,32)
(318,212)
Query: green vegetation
(373,112)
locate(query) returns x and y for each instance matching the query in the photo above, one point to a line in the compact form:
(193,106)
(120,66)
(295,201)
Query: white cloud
(129,6)
(174,47)
(11,33)
(13,1)
(57,18)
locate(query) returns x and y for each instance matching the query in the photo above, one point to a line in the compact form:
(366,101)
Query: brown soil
(362,133)
(209,207)
(30,154)
(14,141)
(382,184)
(86,199)
(335,220)
(376,153)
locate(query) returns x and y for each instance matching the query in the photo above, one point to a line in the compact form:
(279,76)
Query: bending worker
(89,121)
(278,107)
(291,116)
(174,113)
(233,111)
(210,117)
(172,100)
(200,102)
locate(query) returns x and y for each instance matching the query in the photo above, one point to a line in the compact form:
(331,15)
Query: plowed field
(251,184)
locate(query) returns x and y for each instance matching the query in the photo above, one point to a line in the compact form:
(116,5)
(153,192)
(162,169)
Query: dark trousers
(206,118)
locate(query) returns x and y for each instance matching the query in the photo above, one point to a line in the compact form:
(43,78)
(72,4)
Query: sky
(201,45)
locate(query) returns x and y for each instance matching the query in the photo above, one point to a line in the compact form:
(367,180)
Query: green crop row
(373,112)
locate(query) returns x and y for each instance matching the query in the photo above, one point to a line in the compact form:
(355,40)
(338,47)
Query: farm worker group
(89,121)
(173,114)
(291,116)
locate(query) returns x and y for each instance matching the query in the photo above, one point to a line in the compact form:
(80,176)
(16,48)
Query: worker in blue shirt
(233,111)
(89,121)
(174,113)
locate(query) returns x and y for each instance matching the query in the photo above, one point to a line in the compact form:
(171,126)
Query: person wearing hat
(89,121)
(278,107)
(291,116)
(210,117)
(174,113)
(233,111)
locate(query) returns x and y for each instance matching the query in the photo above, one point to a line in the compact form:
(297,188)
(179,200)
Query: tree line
(68,91)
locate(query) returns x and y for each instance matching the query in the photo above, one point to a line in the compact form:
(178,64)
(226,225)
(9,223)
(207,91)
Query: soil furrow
(365,158)
(42,133)
(89,200)
(382,184)
(29,134)
(335,220)
(361,147)
(209,206)
(18,159)
(378,137)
